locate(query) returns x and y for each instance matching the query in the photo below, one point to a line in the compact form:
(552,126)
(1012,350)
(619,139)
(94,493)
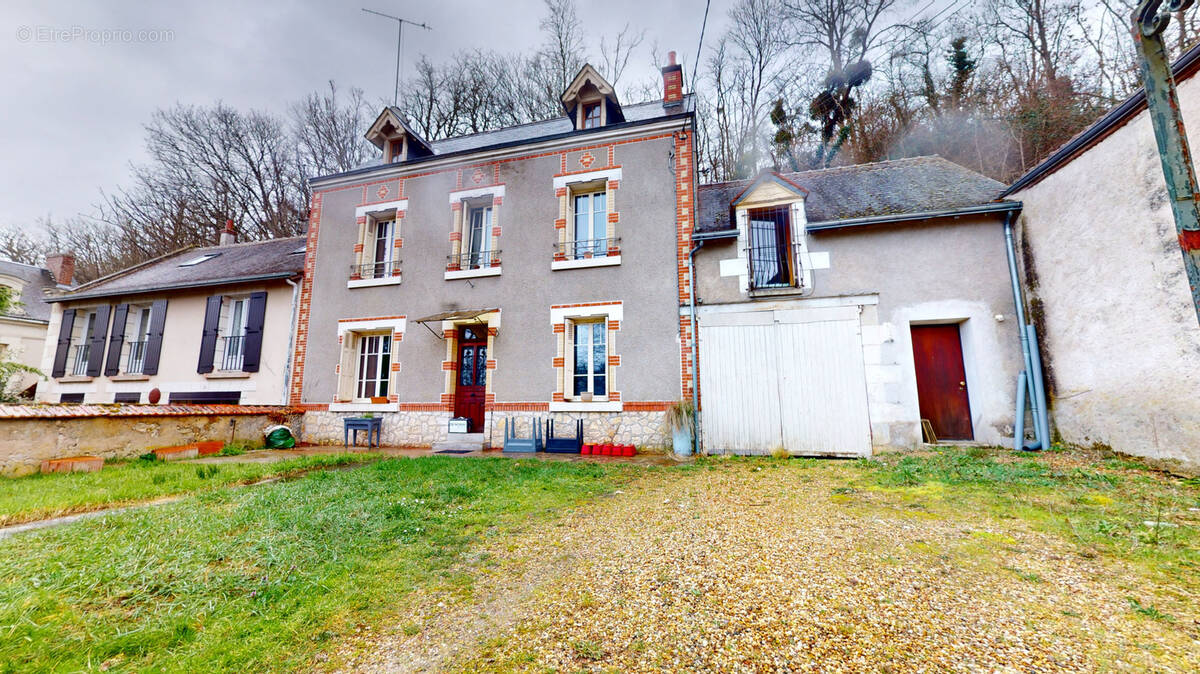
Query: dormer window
(395,151)
(399,143)
(591,115)
(590,101)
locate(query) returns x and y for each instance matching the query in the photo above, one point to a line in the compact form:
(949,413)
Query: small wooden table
(356,424)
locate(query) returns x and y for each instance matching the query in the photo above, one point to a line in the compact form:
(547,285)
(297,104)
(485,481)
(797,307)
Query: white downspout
(287,371)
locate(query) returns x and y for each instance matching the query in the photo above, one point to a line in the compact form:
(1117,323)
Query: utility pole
(1150,20)
(399,44)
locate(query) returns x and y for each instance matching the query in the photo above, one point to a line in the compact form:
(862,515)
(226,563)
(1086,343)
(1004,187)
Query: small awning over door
(457,316)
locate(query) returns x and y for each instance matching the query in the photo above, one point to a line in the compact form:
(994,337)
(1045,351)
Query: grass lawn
(36,497)
(1111,506)
(262,578)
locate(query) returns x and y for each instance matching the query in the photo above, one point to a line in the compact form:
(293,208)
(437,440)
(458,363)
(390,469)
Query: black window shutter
(64,343)
(208,339)
(116,340)
(254,332)
(158,320)
(99,337)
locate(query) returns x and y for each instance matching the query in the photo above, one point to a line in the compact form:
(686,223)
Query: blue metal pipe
(1035,392)
(1019,420)
(1039,389)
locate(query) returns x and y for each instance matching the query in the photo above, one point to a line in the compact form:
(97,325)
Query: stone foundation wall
(422,429)
(25,443)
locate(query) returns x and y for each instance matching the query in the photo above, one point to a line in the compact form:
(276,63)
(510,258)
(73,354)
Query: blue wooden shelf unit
(528,445)
(564,445)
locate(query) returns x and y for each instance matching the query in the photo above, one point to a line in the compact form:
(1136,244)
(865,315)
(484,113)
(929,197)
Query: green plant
(1148,611)
(205,472)
(588,649)
(681,416)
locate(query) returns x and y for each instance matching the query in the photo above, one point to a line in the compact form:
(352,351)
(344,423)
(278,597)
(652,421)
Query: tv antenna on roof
(399,42)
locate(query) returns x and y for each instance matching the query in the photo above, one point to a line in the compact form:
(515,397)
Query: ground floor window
(590,358)
(374,365)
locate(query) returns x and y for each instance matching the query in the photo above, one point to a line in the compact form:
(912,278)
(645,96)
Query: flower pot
(585,450)
(681,441)
(585,397)
(629,450)
(606,450)
(379,400)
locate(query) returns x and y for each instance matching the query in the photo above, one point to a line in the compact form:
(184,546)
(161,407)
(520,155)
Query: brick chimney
(62,267)
(672,81)
(228,237)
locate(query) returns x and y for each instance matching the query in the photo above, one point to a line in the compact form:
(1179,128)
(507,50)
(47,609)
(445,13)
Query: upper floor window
(590,232)
(383,250)
(591,115)
(772,262)
(135,357)
(395,150)
(478,242)
(234,339)
(81,343)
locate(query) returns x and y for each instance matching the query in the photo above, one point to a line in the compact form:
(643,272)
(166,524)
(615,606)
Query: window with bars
(374,367)
(478,244)
(770,252)
(135,358)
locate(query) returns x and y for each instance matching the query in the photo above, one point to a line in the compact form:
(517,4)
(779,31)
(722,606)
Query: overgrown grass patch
(36,497)
(264,578)
(1119,508)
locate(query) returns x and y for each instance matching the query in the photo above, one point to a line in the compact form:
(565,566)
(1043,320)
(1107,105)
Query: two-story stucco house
(838,308)
(202,325)
(532,271)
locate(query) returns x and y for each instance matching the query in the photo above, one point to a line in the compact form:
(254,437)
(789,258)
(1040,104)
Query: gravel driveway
(774,566)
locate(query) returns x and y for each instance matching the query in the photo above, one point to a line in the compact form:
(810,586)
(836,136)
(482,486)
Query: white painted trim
(605,174)
(494,190)
(807,303)
(572,406)
(570,141)
(393,324)
(227,374)
(364,407)
(613,310)
(371,282)
(363,211)
(472,273)
(584,263)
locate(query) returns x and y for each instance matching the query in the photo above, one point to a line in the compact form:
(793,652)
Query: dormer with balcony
(591,102)
(399,143)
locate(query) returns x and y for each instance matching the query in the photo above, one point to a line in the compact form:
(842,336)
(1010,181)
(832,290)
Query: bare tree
(615,52)
(18,245)
(329,131)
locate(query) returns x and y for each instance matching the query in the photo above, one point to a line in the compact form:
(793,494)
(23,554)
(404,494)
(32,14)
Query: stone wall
(421,429)
(26,441)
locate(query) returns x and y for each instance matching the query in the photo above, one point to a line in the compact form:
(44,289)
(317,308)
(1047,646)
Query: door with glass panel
(469,394)
(374,366)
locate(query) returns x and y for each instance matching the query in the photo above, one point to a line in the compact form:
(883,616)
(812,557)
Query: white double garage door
(790,378)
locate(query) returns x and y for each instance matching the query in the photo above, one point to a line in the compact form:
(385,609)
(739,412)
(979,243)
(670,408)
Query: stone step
(466,437)
(458,445)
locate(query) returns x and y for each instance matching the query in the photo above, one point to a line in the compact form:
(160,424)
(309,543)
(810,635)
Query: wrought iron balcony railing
(136,359)
(375,270)
(473,260)
(82,352)
(233,352)
(583,249)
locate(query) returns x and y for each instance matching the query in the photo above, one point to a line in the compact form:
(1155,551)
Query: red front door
(942,380)
(472,375)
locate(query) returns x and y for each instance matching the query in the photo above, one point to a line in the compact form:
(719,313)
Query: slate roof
(637,113)
(237,263)
(35,281)
(886,188)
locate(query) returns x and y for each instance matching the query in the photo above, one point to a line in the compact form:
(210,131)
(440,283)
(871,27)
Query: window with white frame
(590,226)
(381,251)
(81,341)
(477,244)
(589,366)
(138,331)
(233,340)
(373,365)
(591,115)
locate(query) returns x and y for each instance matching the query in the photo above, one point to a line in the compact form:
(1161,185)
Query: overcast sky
(75,97)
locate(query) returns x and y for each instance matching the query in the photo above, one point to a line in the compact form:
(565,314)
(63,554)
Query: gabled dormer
(590,101)
(396,138)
